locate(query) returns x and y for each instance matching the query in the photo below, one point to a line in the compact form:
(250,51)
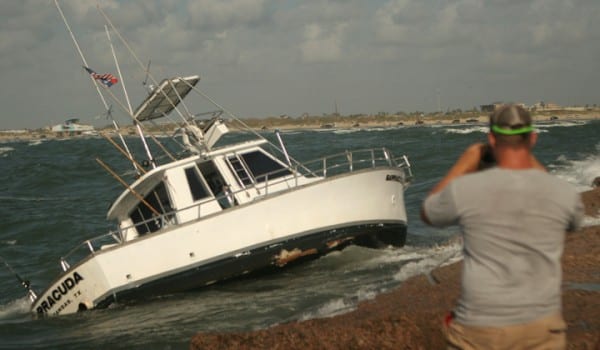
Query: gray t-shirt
(514,223)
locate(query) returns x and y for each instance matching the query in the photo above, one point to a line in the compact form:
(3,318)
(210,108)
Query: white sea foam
(580,173)
(375,129)
(346,131)
(331,308)
(470,130)
(15,309)
(35,143)
(9,242)
(413,261)
(4,151)
(431,259)
(566,124)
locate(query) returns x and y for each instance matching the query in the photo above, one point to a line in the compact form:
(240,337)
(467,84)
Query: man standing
(513,217)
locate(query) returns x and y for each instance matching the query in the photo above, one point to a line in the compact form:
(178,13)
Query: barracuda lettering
(57,293)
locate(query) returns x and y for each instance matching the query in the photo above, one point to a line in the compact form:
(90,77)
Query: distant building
(547,106)
(493,106)
(72,126)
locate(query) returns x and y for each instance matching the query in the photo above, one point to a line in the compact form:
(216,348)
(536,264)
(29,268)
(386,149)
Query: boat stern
(76,289)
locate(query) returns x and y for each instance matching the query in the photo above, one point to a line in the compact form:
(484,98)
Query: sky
(261,58)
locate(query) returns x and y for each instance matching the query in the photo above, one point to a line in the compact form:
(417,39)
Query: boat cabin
(199,186)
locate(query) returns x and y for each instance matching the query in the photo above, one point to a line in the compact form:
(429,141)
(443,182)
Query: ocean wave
(480,129)
(566,124)
(4,151)
(346,131)
(35,143)
(331,308)
(432,258)
(15,311)
(579,173)
(31,199)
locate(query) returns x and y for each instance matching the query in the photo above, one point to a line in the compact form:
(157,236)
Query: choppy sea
(53,196)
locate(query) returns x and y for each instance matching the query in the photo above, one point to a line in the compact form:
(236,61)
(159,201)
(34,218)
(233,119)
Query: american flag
(106,79)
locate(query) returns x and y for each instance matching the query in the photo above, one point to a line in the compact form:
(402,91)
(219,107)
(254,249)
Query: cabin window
(217,184)
(145,217)
(196,185)
(262,166)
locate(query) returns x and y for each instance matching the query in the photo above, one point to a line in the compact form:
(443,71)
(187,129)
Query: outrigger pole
(106,106)
(129,188)
(25,283)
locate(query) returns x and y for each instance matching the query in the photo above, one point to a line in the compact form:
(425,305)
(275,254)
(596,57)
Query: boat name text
(54,297)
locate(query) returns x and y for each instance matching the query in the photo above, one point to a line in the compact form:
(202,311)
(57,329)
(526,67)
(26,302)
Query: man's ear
(533,139)
(491,139)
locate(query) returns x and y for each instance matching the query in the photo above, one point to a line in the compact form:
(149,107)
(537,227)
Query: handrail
(323,167)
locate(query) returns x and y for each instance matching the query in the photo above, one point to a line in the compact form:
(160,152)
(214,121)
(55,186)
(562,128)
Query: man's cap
(511,120)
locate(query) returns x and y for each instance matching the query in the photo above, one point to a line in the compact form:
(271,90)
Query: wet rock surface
(410,316)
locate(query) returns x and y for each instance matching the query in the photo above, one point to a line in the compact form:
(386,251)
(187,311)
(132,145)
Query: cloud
(271,57)
(321,45)
(217,16)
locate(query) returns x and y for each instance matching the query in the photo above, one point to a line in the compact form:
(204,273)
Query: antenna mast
(137,124)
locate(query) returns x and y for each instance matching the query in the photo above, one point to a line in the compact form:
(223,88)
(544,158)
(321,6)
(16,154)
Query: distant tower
(437,93)
(336,113)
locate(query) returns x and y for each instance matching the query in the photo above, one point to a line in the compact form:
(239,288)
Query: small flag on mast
(106,79)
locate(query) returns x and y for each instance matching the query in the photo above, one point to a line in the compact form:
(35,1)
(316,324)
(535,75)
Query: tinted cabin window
(260,165)
(144,218)
(195,182)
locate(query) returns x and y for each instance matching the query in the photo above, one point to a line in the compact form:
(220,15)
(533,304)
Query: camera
(487,159)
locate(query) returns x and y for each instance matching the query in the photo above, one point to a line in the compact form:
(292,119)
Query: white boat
(73,127)
(225,210)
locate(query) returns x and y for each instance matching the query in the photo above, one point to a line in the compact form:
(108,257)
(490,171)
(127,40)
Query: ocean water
(54,195)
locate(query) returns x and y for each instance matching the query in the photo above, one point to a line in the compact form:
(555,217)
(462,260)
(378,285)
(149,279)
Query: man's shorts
(546,333)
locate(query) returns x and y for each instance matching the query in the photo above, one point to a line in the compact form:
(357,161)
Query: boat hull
(364,207)
(262,260)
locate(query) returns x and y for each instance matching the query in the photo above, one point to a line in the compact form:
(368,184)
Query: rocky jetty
(410,316)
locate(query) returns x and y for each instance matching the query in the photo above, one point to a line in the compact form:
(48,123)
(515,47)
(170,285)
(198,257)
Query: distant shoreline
(321,123)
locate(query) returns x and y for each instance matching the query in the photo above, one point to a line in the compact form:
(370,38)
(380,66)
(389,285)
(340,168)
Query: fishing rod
(25,283)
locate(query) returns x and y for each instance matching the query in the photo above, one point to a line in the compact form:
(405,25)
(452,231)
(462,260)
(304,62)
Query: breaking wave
(431,259)
(461,131)
(15,311)
(412,261)
(4,151)
(579,173)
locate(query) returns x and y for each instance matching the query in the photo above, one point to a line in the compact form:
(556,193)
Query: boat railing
(316,169)
(337,164)
(89,246)
(115,237)
(349,161)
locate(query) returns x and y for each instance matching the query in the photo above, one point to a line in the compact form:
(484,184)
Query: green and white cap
(511,120)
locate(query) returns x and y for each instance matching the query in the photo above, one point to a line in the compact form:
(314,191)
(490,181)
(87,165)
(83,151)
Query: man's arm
(467,163)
